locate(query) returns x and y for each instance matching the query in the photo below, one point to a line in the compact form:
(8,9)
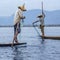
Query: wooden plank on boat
(51,37)
(10,44)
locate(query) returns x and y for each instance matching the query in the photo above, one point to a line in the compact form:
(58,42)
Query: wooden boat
(51,37)
(10,44)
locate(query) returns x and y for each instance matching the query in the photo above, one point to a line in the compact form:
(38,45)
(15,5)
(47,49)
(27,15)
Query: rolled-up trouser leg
(42,29)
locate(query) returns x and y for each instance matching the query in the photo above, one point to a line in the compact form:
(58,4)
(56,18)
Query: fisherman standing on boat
(41,18)
(17,18)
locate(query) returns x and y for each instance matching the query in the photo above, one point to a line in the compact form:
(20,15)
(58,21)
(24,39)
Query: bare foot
(16,41)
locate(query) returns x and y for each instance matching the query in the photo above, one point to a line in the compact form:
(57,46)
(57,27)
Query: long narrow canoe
(10,44)
(51,37)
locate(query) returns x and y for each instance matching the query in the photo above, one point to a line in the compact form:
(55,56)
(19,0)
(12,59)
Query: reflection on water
(36,48)
(17,54)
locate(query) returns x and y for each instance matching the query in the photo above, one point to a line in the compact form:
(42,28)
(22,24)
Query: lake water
(35,49)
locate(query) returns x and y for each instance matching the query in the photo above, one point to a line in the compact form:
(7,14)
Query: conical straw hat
(22,7)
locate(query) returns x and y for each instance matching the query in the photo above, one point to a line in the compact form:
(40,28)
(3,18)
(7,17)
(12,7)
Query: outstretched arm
(36,21)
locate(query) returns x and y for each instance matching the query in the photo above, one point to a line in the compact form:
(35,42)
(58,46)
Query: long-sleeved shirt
(42,21)
(18,16)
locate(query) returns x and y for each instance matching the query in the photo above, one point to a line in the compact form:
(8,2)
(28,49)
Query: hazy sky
(8,7)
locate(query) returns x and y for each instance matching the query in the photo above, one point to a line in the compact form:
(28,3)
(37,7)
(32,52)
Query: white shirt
(17,17)
(42,21)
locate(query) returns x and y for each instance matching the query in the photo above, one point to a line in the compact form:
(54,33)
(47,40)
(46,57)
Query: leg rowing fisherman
(17,18)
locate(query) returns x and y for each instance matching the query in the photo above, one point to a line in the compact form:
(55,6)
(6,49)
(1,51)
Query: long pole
(42,7)
(42,27)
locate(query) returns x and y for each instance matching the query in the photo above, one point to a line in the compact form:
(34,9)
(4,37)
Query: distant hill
(51,17)
(8,20)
